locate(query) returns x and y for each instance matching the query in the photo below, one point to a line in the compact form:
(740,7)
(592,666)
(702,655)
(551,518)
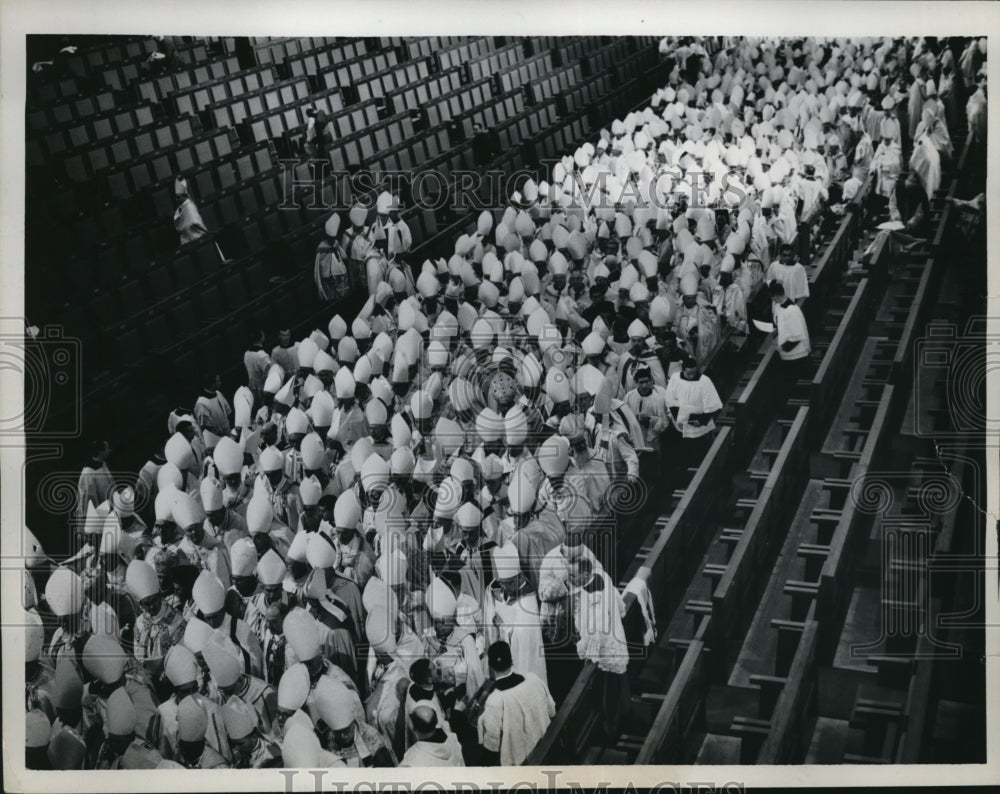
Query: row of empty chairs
(114,184)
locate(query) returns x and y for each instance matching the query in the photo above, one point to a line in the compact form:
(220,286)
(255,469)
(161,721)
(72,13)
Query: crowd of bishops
(394,544)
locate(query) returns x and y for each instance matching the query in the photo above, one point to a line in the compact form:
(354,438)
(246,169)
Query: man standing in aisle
(212,412)
(693,403)
(329,270)
(517,711)
(648,402)
(791,275)
(792,333)
(285,353)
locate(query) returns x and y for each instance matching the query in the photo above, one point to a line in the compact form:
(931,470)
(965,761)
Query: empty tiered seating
(106,140)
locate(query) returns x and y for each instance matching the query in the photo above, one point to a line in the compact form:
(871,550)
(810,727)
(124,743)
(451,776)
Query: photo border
(471,17)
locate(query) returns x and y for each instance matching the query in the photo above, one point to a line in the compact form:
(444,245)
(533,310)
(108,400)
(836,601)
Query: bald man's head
(424,720)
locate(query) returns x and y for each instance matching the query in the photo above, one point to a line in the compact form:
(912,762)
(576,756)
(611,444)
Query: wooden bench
(569,732)
(880,721)
(789,633)
(834,371)
(756,400)
(753,732)
(698,610)
(857,460)
(917,706)
(826,521)
(838,490)
(846,536)
(714,572)
(803,595)
(730,537)
(902,362)
(736,595)
(815,555)
(682,709)
(770,687)
(796,705)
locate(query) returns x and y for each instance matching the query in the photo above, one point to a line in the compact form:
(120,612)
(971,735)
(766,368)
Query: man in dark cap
(516,713)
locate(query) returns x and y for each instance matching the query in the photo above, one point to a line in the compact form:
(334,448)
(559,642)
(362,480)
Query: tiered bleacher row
(105,144)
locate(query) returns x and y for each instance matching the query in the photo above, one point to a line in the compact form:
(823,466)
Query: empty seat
(249,205)
(124,122)
(212,304)
(163,201)
(184,271)
(285,305)
(272,100)
(112,222)
(235,335)
(258,131)
(262,159)
(207,259)
(183,130)
(165,137)
(256,279)
(144,144)
(228,210)
(140,177)
(275,126)
(203,152)
(222,145)
(133,299)
(118,184)
(182,318)
(135,253)
(204,184)
(253,238)
(255,106)
(159,284)
(235,289)
(105,308)
(103,128)
(161,168)
(79,136)
(76,169)
(86,233)
(184,104)
(245,167)
(184,159)
(271,227)
(210,214)
(225,175)
(221,116)
(129,347)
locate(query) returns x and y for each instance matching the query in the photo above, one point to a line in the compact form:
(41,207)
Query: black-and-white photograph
(502,400)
